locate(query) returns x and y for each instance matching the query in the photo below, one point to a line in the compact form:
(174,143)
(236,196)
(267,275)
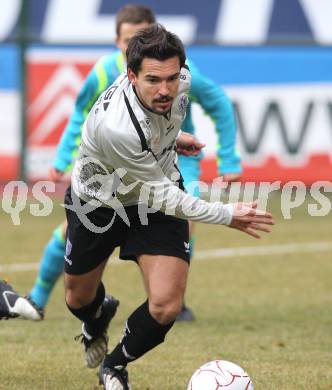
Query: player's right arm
(145,176)
(96,82)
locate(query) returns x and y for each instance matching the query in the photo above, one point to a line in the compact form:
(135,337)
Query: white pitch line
(20,267)
(279,249)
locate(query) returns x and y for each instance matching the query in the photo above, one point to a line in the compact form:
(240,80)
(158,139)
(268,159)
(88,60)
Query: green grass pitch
(270,314)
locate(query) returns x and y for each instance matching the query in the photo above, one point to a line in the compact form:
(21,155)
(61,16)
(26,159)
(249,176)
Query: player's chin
(162,108)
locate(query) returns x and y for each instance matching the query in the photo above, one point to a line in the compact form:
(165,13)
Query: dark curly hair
(154,42)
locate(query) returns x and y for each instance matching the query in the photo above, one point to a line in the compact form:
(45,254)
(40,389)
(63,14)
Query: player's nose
(163,89)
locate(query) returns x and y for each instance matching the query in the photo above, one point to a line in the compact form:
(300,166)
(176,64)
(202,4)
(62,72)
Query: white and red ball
(220,375)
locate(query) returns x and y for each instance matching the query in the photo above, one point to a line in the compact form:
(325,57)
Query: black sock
(141,334)
(92,314)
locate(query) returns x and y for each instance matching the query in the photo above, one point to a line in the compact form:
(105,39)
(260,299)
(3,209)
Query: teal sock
(51,267)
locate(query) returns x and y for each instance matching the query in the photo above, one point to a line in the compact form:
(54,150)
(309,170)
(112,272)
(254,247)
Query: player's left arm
(219,107)
(188,145)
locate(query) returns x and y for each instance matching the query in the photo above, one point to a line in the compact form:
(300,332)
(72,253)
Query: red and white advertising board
(299,149)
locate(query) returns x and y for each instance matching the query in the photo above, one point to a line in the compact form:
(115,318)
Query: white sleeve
(146,178)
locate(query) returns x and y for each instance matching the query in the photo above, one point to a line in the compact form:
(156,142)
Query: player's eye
(173,78)
(152,80)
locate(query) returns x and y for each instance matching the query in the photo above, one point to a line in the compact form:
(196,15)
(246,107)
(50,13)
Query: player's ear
(131,76)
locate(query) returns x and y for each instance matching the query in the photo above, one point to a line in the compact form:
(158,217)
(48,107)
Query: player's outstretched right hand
(248,219)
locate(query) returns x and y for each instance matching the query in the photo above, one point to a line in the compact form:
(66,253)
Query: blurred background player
(129,20)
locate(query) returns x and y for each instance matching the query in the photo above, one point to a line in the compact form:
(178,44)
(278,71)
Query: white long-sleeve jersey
(127,156)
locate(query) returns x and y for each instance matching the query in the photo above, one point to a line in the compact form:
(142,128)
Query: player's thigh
(165,277)
(161,248)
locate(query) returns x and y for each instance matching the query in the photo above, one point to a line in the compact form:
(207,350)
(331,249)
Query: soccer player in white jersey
(127,192)
(203,91)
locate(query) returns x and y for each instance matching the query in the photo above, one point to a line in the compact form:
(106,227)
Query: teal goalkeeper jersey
(203,91)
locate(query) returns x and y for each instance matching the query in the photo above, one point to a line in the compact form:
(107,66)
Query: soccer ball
(220,375)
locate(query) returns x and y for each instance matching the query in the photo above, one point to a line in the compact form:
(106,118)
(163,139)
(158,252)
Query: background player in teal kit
(130,19)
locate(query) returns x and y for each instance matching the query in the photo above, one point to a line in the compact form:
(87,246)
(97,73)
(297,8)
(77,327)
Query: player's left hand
(230,177)
(55,175)
(188,145)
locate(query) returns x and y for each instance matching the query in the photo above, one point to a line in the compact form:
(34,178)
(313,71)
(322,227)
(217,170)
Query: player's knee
(74,300)
(85,306)
(165,312)
(76,296)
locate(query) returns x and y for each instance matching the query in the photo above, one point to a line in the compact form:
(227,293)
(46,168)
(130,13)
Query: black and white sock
(92,315)
(142,333)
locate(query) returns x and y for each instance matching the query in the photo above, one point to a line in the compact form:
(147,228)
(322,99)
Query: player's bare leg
(165,279)
(86,299)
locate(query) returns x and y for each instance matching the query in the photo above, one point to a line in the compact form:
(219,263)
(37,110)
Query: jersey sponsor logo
(183,103)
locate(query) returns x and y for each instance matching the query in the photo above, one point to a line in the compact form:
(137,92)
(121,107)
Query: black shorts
(86,249)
